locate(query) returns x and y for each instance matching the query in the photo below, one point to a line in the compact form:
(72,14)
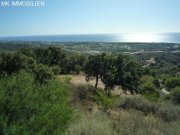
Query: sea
(123,37)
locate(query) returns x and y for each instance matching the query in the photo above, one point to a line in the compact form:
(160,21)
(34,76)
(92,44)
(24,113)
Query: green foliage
(95,67)
(56,70)
(172,82)
(32,102)
(147,79)
(67,79)
(150,92)
(106,101)
(149,89)
(43,74)
(29,108)
(114,70)
(127,73)
(78,69)
(51,56)
(176,95)
(148,71)
(14,62)
(157,83)
(55,56)
(87,93)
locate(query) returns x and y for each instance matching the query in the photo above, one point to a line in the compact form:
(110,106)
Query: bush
(78,69)
(106,101)
(148,88)
(165,112)
(176,95)
(139,104)
(133,122)
(56,70)
(15,62)
(83,92)
(172,82)
(120,122)
(168,113)
(42,73)
(29,108)
(150,92)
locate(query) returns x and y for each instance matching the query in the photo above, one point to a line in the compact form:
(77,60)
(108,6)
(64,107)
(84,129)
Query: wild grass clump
(94,124)
(27,107)
(83,93)
(139,104)
(166,112)
(133,122)
(122,122)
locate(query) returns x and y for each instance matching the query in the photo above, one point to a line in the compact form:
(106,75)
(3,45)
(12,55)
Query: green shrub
(176,95)
(64,79)
(15,62)
(148,88)
(56,70)
(29,108)
(77,69)
(172,82)
(42,73)
(150,92)
(106,101)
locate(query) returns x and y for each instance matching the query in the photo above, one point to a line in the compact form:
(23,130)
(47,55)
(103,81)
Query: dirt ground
(80,80)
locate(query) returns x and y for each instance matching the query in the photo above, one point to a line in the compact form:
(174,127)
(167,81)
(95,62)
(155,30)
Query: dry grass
(94,124)
(92,120)
(120,122)
(80,80)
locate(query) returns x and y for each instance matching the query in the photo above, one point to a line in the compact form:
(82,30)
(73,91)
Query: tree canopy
(114,70)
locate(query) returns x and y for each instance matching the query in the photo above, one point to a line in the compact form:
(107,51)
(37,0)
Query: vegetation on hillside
(33,100)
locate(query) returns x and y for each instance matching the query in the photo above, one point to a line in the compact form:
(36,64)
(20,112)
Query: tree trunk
(97,78)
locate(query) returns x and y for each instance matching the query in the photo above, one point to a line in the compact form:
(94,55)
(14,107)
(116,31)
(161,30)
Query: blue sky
(91,17)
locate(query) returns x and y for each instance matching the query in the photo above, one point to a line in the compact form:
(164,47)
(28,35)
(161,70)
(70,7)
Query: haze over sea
(126,37)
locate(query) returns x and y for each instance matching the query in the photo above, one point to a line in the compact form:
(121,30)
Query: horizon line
(4,36)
